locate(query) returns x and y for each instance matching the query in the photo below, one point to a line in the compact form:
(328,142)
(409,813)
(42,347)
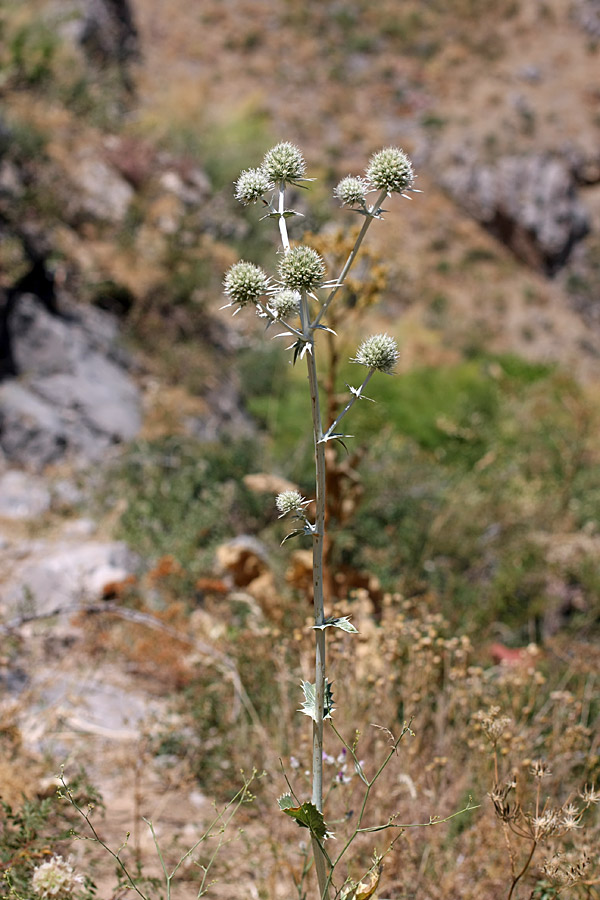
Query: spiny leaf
(309,706)
(292,534)
(342,622)
(334,436)
(306,816)
(285,801)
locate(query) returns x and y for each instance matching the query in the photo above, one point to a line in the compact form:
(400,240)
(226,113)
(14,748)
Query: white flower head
(245,283)
(290,502)
(251,185)
(351,190)
(285,303)
(284,162)
(302,269)
(380,351)
(391,170)
(56,880)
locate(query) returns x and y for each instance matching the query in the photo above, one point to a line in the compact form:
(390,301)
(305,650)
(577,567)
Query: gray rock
(63,574)
(31,432)
(66,495)
(102,192)
(528,202)
(22,496)
(75,396)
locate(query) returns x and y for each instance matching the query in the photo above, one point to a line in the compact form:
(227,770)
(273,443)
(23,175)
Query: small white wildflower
(294,762)
(56,880)
(284,162)
(380,351)
(328,759)
(341,776)
(251,185)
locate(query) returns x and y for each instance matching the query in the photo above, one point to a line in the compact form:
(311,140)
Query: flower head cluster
(245,283)
(56,880)
(302,268)
(284,162)
(391,170)
(284,303)
(380,351)
(251,185)
(351,190)
(290,502)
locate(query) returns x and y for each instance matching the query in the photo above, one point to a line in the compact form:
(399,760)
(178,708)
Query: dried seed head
(391,169)
(302,268)
(284,303)
(284,162)
(351,190)
(503,808)
(245,283)
(590,795)
(251,185)
(492,723)
(380,351)
(540,769)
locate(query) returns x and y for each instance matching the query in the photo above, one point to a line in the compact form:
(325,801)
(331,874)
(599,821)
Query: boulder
(23,496)
(63,574)
(74,395)
(101,192)
(529,202)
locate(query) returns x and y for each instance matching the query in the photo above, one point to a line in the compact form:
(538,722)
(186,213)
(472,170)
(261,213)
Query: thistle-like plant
(299,300)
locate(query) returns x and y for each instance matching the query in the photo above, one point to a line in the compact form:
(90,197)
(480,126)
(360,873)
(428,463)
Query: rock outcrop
(529,203)
(74,395)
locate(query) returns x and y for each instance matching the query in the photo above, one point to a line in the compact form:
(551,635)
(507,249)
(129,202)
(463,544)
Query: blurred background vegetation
(464,518)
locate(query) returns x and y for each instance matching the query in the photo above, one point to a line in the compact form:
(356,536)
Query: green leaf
(306,816)
(309,707)
(342,622)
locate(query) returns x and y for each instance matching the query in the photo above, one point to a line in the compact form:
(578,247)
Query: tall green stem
(318,536)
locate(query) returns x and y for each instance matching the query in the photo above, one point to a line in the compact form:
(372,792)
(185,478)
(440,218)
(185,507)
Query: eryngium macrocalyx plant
(298,300)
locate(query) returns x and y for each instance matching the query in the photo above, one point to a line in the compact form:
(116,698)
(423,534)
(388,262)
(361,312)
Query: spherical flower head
(302,268)
(251,185)
(245,283)
(56,880)
(380,351)
(290,502)
(284,162)
(285,303)
(351,190)
(391,170)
